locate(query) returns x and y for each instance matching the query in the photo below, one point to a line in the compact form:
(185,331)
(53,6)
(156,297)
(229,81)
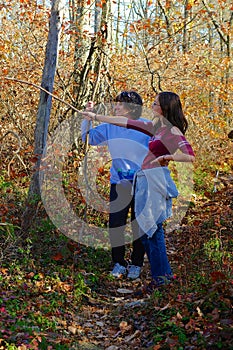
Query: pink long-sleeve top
(163,142)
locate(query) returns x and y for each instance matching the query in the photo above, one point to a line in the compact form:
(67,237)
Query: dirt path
(119,320)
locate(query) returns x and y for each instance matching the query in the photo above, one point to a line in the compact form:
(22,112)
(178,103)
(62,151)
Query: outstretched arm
(119,121)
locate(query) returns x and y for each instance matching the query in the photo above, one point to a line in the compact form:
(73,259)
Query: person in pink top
(153,185)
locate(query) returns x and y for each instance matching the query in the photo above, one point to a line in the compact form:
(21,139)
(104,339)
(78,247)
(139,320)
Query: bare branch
(42,89)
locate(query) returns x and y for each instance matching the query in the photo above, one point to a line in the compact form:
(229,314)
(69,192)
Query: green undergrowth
(57,294)
(50,280)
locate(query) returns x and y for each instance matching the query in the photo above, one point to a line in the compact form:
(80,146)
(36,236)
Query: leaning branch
(42,89)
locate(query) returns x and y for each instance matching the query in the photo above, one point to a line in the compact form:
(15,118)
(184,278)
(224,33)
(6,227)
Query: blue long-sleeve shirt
(127,147)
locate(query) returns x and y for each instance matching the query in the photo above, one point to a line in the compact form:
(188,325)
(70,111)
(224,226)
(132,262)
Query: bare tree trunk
(44,108)
(225,48)
(118,22)
(92,52)
(185,31)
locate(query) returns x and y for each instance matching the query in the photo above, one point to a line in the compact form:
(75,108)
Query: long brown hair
(172,110)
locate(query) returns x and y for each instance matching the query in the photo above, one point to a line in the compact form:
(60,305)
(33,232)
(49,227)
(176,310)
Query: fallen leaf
(124,291)
(72,329)
(200,313)
(57,257)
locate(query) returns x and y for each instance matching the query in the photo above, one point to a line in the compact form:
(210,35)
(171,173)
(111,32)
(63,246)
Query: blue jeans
(156,252)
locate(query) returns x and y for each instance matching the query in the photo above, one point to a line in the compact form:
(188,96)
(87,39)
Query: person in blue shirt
(127,149)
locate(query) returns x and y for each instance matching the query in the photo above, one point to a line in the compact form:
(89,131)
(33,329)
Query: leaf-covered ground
(56,294)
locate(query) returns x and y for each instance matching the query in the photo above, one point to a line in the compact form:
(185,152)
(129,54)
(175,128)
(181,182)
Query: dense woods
(55,56)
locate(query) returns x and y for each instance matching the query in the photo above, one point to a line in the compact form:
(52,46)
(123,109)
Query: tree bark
(44,109)
(92,52)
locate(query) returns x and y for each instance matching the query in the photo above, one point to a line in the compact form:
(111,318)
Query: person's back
(126,147)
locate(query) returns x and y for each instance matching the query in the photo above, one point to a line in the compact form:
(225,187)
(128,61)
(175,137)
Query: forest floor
(57,294)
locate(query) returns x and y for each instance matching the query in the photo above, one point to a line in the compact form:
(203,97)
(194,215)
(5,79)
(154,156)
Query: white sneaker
(134,271)
(118,271)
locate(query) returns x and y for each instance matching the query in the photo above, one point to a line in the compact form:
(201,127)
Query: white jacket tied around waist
(154,190)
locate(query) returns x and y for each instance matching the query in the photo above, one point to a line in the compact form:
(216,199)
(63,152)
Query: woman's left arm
(179,157)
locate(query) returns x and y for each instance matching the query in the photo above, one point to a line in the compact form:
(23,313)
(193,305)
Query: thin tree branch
(40,87)
(216,25)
